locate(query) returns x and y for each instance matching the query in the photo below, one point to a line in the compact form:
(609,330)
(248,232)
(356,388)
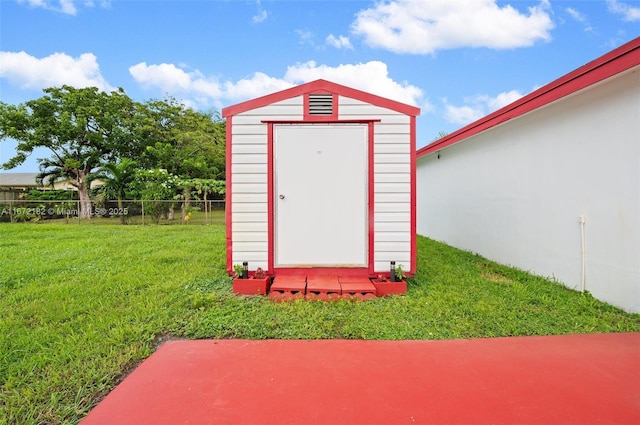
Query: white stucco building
(550,183)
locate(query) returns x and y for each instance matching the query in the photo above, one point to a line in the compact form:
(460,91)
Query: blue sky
(458,60)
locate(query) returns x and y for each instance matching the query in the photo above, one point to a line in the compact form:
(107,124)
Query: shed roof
(616,61)
(321,86)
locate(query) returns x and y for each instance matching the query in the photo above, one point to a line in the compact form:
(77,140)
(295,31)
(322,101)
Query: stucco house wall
(516,192)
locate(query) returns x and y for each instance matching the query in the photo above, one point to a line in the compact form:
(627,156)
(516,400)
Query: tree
(204,187)
(186,143)
(83,128)
(155,185)
(441,134)
(116,179)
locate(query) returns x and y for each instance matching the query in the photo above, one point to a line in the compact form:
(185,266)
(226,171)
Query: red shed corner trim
(228,205)
(616,61)
(321,86)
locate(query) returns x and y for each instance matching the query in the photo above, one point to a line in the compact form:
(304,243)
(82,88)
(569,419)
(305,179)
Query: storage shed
(321,179)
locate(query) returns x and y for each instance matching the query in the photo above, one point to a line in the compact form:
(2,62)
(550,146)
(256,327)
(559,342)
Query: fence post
(142,202)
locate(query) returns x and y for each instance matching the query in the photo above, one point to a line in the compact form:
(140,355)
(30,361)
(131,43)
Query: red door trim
(270,200)
(369,270)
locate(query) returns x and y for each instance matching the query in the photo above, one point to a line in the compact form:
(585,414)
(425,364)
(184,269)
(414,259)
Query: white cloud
(254,86)
(166,75)
(64,6)
(501,100)
(421,27)
(202,89)
(260,17)
(372,77)
(629,13)
(68,7)
(304,37)
(58,69)
(340,42)
(579,17)
(478,106)
(462,115)
(575,14)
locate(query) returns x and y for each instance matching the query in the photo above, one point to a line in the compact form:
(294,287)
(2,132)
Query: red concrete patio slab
(575,379)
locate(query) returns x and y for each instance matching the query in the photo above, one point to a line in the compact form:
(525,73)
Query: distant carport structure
(15,185)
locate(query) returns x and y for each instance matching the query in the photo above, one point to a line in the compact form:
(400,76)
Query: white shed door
(321,197)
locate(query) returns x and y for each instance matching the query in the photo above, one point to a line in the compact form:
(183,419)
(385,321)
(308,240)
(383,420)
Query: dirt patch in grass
(491,274)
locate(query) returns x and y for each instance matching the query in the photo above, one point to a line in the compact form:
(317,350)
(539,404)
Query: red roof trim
(616,61)
(322,121)
(320,85)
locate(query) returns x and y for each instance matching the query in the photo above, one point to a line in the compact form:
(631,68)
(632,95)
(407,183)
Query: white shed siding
(392,171)
(514,193)
(392,181)
(250,221)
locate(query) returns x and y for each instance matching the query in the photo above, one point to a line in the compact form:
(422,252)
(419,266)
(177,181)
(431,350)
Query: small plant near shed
(400,275)
(259,273)
(239,271)
(381,279)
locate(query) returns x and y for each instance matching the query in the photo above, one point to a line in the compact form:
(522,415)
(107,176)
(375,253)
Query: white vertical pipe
(582,220)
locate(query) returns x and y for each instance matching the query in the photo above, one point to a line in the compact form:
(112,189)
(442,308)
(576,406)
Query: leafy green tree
(186,143)
(116,179)
(86,129)
(204,187)
(155,185)
(83,128)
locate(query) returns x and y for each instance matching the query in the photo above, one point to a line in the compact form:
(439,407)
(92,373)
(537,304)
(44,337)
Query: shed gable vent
(321,104)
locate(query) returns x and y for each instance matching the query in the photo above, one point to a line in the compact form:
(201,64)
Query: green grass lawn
(81,305)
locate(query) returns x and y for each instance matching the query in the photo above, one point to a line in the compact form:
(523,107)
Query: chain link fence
(125,212)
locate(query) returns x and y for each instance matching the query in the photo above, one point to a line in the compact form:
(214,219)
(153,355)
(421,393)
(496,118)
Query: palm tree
(116,179)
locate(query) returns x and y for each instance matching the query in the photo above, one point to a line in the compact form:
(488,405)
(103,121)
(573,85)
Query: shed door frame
(370,187)
(321,195)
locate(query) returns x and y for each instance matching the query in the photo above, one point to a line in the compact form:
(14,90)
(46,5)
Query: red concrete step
(286,288)
(323,288)
(357,288)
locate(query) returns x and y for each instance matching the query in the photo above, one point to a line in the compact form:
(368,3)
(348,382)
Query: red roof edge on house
(616,61)
(316,86)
